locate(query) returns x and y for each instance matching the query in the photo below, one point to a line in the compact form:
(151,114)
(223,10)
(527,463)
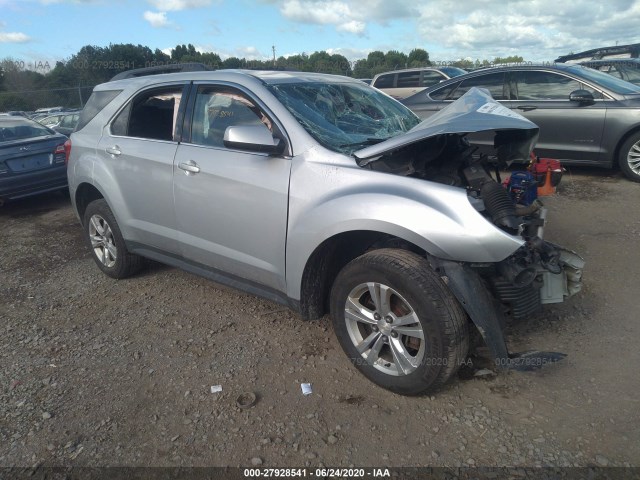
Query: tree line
(68,83)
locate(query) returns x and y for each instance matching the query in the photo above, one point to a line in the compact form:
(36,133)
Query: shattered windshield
(345,117)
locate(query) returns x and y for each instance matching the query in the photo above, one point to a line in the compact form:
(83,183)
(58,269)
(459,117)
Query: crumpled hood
(475,111)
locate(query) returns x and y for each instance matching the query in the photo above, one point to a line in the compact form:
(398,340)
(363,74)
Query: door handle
(526,108)
(115,150)
(189,167)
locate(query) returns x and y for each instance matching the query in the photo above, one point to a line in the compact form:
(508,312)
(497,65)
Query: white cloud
(534,29)
(176,5)
(250,53)
(14,37)
(452,29)
(156,19)
(353,26)
(246,52)
(333,12)
(351,54)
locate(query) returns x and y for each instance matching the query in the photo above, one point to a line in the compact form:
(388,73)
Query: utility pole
(80,95)
(273,47)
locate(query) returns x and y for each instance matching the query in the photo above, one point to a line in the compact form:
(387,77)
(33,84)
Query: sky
(40,32)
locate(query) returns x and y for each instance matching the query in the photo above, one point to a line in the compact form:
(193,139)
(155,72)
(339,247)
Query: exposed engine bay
(537,273)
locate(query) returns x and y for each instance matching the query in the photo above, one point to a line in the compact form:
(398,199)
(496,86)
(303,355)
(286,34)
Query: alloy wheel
(384,329)
(102,241)
(633,158)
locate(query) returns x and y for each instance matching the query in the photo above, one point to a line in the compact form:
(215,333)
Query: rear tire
(106,243)
(629,158)
(398,322)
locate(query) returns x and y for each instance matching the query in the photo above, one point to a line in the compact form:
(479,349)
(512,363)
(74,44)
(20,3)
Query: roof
(415,69)
(263,76)
(526,66)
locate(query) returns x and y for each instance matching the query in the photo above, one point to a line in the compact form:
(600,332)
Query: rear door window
(430,77)
(445,92)
(408,79)
(152,115)
(537,85)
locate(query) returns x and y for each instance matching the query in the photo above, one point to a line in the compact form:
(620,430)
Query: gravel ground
(99,372)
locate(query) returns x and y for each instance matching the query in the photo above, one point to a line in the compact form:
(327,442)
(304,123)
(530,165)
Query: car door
(568,130)
(138,149)
(231,205)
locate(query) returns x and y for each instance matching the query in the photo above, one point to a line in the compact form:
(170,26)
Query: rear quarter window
(384,81)
(96,103)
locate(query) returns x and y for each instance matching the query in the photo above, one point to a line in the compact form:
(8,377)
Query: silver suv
(403,83)
(321,193)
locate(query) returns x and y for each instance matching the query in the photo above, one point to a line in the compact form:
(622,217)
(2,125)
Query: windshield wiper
(368,141)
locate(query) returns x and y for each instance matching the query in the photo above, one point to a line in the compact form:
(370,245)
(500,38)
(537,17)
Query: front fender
(328,199)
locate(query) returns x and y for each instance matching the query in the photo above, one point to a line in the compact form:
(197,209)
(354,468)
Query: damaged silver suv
(321,193)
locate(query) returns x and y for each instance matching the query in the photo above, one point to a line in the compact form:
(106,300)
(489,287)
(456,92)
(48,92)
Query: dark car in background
(32,158)
(624,68)
(586,117)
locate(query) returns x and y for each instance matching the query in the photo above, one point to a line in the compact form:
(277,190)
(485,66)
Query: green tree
(232,62)
(418,58)
(396,60)
(511,59)
(361,69)
(376,63)
(189,54)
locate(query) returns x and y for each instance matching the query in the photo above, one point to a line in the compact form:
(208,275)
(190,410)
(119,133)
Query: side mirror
(253,138)
(582,96)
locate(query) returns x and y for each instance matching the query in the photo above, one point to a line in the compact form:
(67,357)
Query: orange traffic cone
(547,188)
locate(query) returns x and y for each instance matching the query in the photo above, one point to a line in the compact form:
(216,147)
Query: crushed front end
(537,273)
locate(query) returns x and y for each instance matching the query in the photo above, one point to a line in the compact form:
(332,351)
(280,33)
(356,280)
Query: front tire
(106,243)
(397,321)
(629,158)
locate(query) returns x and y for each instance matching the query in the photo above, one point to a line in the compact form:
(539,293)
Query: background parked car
(624,68)
(51,120)
(32,158)
(48,110)
(403,83)
(67,123)
(586,117)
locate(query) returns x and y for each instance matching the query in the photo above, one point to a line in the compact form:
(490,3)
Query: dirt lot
(99,372)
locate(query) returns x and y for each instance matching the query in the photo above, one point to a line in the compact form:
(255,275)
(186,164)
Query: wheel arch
(616,155)
(84,195)
(328,258)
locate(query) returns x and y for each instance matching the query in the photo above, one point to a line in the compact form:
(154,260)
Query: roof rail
(633,50)
(160,69)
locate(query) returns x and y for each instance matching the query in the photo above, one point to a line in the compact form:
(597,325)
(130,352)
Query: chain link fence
(32,100)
